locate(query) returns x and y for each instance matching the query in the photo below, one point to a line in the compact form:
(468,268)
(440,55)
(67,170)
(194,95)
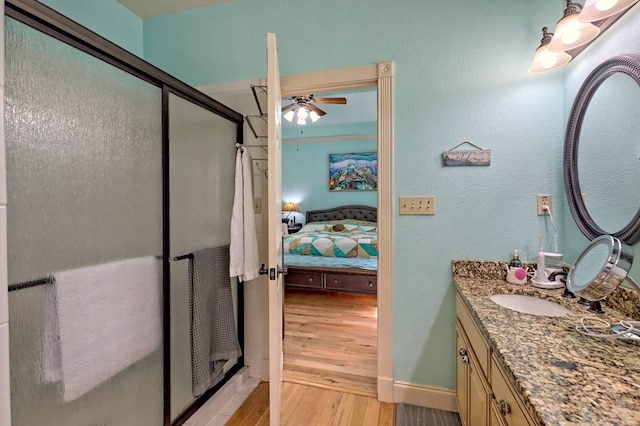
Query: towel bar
(28,284)
(184,256)
(50,279)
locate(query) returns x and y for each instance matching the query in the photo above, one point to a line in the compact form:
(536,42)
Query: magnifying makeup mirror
(601,268)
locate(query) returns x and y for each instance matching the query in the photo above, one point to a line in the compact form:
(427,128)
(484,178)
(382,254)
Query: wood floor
(331,341)
(330,365)
(308,405)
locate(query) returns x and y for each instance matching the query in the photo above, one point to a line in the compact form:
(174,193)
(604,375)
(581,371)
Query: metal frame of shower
(50,22)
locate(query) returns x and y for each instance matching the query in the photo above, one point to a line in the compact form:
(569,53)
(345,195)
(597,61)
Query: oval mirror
(601,151)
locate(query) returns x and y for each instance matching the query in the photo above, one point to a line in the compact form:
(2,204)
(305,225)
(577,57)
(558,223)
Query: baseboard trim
(219,399)
(385,389)
(425,396)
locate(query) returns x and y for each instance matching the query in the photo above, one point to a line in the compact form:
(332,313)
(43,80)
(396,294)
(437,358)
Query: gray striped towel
(214,339)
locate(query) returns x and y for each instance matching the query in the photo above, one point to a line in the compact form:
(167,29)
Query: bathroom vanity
(514,368)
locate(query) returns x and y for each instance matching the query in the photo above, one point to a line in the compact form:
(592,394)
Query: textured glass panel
(84,174)
(201,170)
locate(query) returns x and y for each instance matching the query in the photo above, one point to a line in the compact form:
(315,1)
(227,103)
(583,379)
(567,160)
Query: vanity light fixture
(571,32)
(576,30)
(545,59)
(596,10)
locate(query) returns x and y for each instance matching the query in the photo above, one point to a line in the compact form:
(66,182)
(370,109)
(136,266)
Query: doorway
(330,335)
(379,76)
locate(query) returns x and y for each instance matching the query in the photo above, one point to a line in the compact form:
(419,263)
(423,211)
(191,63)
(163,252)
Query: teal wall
(460,74)
(109,19)
(305,175)
(305,164)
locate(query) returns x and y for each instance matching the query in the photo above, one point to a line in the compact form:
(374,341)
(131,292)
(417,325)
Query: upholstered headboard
(367,213)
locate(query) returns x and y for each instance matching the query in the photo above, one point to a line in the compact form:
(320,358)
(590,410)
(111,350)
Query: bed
(336,250)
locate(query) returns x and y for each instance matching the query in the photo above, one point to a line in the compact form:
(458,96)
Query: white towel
(99,320)
(244,259)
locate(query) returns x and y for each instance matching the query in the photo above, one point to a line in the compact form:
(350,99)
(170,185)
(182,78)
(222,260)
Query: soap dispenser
(515,260)
(516,274)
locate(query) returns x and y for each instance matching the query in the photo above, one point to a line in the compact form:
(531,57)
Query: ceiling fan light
(302,113)
(596,10)
(289,115)
(301,121)
(571,33)
(314,116)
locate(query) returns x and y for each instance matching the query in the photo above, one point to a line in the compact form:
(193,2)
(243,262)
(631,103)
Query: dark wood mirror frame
(629,65)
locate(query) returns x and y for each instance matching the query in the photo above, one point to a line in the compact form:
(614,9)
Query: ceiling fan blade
(284,108)
(317,110)
(337,101)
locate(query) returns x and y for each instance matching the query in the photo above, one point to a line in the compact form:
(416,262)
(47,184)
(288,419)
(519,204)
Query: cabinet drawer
(474,335)
(506,396)
(304,279)
(364,283)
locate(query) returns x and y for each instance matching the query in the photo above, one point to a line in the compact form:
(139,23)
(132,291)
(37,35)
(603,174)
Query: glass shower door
(84,176)
(201,176)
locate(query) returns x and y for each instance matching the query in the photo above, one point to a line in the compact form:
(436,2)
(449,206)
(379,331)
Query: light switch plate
(257,205)
(421,205)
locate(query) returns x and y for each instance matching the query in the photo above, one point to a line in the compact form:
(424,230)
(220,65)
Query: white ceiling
(150,8)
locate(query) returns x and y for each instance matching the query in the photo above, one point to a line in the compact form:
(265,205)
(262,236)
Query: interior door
(274,229)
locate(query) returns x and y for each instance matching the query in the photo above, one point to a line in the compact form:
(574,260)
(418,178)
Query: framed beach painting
(353,172)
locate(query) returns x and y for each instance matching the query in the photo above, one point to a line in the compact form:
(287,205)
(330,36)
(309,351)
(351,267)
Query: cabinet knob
(335,281)
(370,284)
(463,354)
(310,279)
(504,407)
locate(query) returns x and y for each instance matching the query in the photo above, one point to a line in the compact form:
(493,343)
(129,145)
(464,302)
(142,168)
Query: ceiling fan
(304,106)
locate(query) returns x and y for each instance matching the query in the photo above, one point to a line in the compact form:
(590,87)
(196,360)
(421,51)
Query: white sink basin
(530,305)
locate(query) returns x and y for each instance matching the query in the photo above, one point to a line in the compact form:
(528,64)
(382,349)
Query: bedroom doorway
(378,77)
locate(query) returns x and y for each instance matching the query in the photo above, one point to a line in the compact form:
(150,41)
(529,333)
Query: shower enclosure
(110,163)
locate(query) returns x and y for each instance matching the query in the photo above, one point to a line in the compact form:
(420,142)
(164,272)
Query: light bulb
(546,60)
(302,113)
(301,121)
(605,4)
(571,33)
(314,116)
(596,10)
(289,115)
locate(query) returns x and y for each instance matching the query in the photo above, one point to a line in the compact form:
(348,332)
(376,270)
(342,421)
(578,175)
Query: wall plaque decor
(466,157)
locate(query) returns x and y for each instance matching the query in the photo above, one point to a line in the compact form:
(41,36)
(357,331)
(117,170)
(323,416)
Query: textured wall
(461,74)
(109,19)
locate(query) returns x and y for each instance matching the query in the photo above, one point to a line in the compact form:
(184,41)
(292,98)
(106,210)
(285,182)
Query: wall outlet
(424,205)
(544,200)
(257,205)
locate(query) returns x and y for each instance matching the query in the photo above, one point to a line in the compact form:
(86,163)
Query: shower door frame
(52,23)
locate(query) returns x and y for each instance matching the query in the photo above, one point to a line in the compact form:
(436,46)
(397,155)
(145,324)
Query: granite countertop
(564,377)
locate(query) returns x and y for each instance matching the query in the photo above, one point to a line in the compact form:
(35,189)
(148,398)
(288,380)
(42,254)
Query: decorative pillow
(338,227)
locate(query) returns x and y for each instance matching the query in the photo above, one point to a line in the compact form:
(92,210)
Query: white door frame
(378,75)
